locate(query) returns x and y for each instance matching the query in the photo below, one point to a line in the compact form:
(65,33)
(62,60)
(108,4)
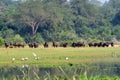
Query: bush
(1,41)
(18,38)
(36,38)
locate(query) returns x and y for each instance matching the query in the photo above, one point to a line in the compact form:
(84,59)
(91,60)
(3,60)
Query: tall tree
(31,14)
(36,13)
(116,19)
(110,9)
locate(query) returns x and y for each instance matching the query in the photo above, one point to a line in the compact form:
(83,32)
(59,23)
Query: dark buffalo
(73,44)
(45,45)
(15,44)
(105,44)
(35,45)
(112,44)
(55,44)
(95,44)
(11,45)
(101,44)
(30,45)
(63,44)
(78,44)
(6,45)
(90,44)
(18,44)
(21,45)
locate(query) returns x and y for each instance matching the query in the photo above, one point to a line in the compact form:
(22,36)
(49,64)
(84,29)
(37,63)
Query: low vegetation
(90,62)
(59,56)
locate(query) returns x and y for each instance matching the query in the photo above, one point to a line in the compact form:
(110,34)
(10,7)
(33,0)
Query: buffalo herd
(14,45)
(101,44)
(59,44)
(33,45)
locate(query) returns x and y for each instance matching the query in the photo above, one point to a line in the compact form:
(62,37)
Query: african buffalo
(56,44)
(30,45)
(63,44)
(112,44)
(90,44)
(35,45)
(45,45)
(6,45)
(78,44)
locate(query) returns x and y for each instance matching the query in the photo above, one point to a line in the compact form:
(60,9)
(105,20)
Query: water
(36,72)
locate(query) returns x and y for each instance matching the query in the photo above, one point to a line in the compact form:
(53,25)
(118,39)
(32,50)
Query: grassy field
(57,56)
(61,59)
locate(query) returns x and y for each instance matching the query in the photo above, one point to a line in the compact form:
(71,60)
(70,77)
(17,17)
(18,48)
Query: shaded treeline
(58,20)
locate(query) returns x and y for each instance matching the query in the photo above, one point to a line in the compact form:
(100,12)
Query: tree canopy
(59,20)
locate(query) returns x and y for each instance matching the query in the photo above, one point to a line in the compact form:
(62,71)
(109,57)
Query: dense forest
(59,20)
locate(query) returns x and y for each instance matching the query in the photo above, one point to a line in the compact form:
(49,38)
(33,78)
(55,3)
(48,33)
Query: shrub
(18,38)
(1,41)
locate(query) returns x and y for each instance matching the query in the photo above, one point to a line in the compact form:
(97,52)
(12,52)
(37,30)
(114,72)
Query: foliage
(116,19)
(18,38)
(59,20)
(1,41)
(36,38)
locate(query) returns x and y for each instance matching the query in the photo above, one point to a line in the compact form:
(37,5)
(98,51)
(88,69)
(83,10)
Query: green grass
(56,56)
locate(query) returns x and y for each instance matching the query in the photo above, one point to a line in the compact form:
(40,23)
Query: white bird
(34,54)
(36,58)
(23,59)
(66,58)
(13,59)
(26,58)
(25,65)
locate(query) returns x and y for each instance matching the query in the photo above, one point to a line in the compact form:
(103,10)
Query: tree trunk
(34,28)
(33,31)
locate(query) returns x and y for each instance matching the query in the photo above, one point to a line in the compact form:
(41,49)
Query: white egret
(13,59)
(34,54)
(66,58)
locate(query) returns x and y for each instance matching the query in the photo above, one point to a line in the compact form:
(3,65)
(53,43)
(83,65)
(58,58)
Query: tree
(116,32)
(96,2)
(87,14)
(116,19)
(110,9)
(30,14)
(37,13)
(40,16)
(18,38)
(1,41)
